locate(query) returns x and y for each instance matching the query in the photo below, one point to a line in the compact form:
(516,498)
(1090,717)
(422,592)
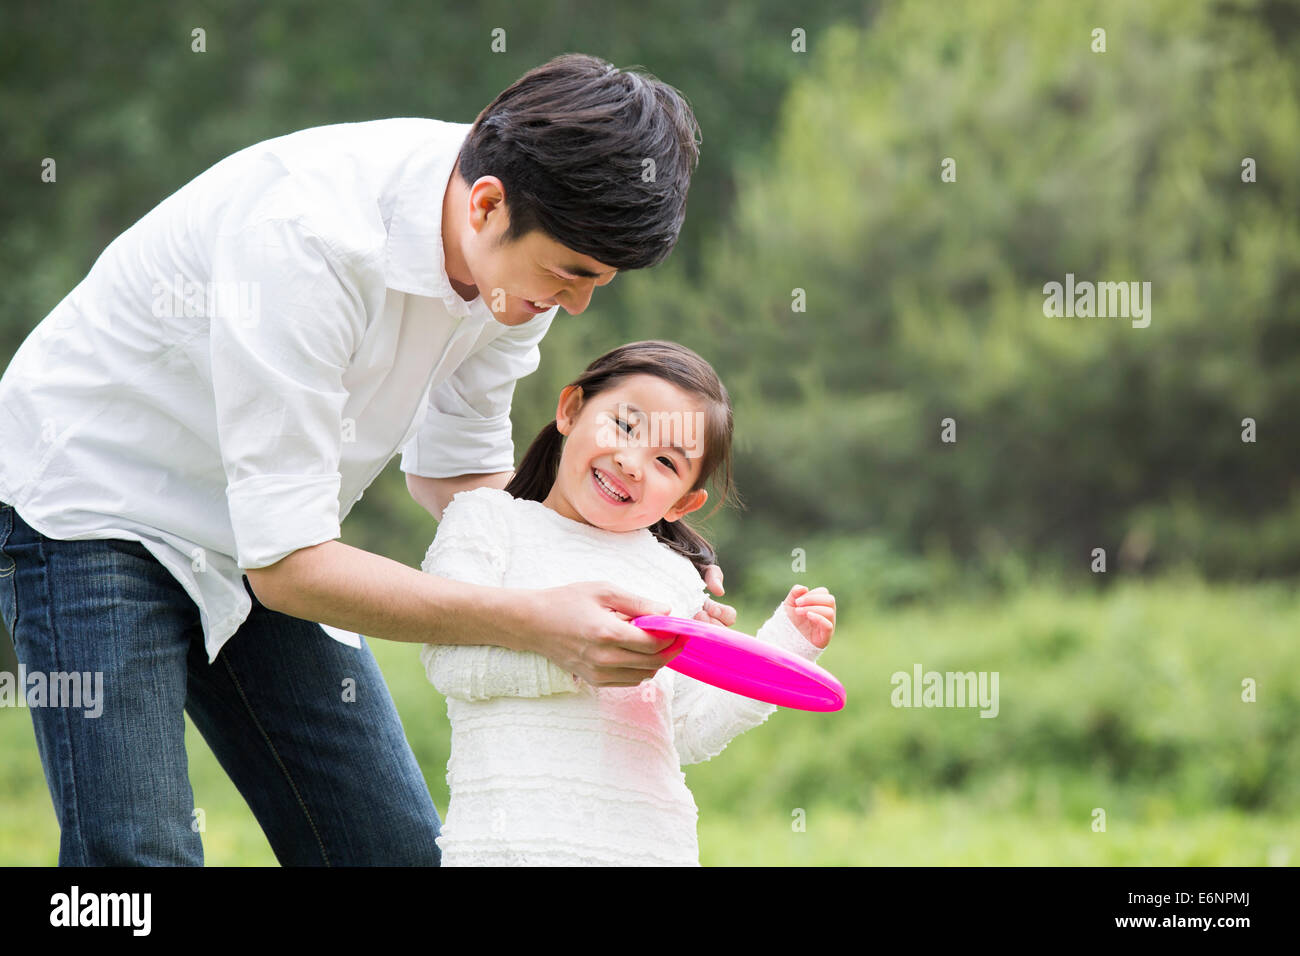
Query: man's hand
(583,628)
(714,612)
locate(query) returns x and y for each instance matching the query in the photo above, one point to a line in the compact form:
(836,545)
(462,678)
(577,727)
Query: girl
(546,769)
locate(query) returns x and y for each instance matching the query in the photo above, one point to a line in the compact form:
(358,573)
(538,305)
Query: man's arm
(359,591)
(435,493)
(337,584)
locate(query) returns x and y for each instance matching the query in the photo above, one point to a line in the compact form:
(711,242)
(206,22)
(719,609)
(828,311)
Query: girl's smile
(610,489)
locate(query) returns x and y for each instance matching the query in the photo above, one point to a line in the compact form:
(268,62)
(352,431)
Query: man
(185,432)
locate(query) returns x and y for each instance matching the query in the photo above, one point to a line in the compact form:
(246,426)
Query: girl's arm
(706,718)
(471,546)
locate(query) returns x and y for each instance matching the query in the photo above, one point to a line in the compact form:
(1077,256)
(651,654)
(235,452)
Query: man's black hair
(597,158)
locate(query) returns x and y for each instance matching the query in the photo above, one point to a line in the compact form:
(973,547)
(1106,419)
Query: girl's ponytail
(686,541)
(541,463)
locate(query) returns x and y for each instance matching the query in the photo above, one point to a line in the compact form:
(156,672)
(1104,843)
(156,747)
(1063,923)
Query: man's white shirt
(239,365)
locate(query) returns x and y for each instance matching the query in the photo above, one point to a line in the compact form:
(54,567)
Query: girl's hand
(812,612)
(724,615)
(715,612)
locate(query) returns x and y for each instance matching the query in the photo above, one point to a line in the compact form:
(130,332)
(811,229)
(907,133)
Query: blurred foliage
(1123,700)
(925,298)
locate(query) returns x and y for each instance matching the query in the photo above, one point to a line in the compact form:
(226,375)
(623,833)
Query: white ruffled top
(546,769)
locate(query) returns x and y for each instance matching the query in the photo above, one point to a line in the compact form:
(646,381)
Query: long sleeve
(277,378)
(706,718)
(471,544)
(467,427)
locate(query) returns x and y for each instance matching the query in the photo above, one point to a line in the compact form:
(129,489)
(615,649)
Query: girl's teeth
(607,487)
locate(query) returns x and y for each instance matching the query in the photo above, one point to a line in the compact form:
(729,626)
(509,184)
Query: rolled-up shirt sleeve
(277,377)
(467,427)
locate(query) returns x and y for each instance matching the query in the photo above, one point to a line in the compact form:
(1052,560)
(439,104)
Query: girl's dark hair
(682,367)
(572,141)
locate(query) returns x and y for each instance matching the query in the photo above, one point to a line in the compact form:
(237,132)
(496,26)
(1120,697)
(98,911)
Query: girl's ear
(688,503)
(567,408)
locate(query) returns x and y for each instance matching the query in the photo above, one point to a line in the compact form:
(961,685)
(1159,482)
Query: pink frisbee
(745,665)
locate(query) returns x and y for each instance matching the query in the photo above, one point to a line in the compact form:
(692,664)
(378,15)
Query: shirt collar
(413,253)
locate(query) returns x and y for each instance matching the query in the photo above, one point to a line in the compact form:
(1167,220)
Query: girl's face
(644,438)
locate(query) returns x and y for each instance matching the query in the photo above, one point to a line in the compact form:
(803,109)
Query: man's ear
(688,503)
(487,198)
(567,408)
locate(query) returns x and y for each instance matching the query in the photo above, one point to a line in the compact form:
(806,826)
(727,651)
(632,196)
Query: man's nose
(580,298)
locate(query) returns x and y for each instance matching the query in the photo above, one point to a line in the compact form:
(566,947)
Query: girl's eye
(665,459)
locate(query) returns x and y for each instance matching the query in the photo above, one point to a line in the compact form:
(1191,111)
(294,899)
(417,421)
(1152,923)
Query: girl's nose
(627,462)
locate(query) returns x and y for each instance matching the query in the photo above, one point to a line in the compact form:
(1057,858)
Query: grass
(1128,701)
(950,830)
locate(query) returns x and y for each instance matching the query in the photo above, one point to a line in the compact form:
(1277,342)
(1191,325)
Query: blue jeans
(332,781)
